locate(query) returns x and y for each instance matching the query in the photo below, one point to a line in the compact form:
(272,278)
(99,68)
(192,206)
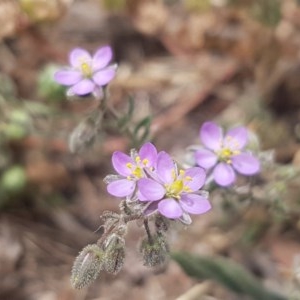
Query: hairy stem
(146,225)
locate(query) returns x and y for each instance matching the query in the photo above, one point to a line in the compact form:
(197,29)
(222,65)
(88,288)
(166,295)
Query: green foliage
(47,87)
(12,182)
(198,5)
(114,5)
(124,120)
(225,272)
(138,132)
(7,88)
(267,11)
(141,131)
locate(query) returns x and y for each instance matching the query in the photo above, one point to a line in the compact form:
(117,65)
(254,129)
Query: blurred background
(182,62)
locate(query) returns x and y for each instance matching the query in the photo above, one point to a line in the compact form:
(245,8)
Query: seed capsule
(156,252)
(87,266)
(114,254)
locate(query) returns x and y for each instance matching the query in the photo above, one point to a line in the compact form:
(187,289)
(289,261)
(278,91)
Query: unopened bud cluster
(155,192)
(155,251)
(108,254)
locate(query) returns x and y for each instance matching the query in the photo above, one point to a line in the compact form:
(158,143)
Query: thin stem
(105,106)
(146,225)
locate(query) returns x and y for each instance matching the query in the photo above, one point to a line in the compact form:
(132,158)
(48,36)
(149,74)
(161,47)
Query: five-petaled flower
(130,169)
(225,153)
(87,74)
(173,193)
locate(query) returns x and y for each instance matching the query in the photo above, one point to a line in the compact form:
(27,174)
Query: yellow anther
(129,165)
(226,152)
(188,178)
(173,174)
(145,161)
(187,189)
(86,69)
(234,143)
(181,172)
(137,159)
(138,172)
(176,187)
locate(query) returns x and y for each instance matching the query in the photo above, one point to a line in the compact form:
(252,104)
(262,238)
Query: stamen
(86,69)
(145,161)
(173,174)
(138,172)
(129,165)
(188,178)
(187,189)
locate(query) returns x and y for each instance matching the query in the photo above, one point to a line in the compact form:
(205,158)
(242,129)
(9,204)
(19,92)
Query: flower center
(86,70)
(225,155)
(229,148)
(174,189)
(137,168)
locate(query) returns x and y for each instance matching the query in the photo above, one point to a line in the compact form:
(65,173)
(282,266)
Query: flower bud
(83,136)
(114,254)
(155,252)
(87,266)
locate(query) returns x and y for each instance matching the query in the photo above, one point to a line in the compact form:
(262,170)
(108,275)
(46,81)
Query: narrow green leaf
(124,120)
(142,130)
(225,272)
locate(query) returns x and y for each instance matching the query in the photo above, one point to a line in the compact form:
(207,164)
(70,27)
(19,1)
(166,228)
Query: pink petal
(197,176)
(83,87)
(223,174)
(101,58)
(78,56)
(120,161)
(150,189)
(246,164)
(149,152)
(67,77)
(211,135)
(103,77)
(165,167)
(194,204)
(170,208)
(205,158)
(121,188)
(150,208)
(236,138)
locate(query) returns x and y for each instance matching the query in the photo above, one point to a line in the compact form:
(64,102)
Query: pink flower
(130,169)
(225,154)
(174,194)
(87,74)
